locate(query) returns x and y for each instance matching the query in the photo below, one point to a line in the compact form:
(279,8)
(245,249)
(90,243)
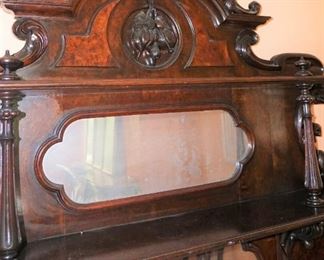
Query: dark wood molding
(11,239)
(50,8)
(230,11)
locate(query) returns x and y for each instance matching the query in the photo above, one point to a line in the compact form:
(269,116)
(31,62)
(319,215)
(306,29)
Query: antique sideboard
(150,130)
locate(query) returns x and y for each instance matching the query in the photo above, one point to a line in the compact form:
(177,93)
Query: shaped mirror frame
(127,157)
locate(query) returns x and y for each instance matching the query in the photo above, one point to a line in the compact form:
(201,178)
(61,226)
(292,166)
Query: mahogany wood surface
(177,237)
(82,60)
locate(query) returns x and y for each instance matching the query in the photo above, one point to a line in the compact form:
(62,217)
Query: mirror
(118,157)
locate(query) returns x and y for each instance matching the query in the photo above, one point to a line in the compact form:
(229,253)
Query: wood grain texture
(208,49)
(63,8)
(90,50)
(91,74)
(188,235)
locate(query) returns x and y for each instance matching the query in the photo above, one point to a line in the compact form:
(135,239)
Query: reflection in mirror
(117,157)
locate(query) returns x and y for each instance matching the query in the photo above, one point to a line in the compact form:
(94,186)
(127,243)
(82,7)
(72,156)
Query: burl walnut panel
(91,50)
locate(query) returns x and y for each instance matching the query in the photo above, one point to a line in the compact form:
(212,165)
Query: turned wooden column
(11,240)
(10,232)
(313,180)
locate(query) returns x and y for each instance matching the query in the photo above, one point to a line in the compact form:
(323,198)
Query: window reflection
(117,157)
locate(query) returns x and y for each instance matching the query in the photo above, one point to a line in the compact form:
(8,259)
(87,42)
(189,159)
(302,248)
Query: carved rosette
(151,38)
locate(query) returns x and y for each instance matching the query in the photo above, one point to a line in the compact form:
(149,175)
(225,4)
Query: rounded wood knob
(10,64)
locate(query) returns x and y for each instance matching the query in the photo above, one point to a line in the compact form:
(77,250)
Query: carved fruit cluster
(152,38)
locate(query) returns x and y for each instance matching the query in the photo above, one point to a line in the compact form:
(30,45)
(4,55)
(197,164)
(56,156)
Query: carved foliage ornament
(305,235)
(151,37)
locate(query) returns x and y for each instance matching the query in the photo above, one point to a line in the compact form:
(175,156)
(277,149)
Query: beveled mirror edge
(57,190)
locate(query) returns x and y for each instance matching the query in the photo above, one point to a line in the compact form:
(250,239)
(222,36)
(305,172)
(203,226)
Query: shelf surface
(185,233)
(77,83)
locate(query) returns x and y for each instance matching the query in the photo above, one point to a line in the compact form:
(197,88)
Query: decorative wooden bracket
(11,240)
(36,43)
(306,235)
(36,39)
(248,37)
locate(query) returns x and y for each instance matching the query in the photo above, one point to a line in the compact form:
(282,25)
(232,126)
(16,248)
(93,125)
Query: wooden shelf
(173,236)
(73,83)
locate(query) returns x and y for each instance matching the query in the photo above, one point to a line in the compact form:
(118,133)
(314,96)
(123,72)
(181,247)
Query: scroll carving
(220,12)
(234,7)
(10,236)
(35,36)
(247,38)
(244,41)
(151,37)
(306,235)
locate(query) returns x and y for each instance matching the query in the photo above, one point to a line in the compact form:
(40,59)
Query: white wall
(296,26)
(7,39)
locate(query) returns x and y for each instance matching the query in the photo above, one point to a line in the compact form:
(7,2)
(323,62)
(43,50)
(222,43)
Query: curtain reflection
(117,157)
